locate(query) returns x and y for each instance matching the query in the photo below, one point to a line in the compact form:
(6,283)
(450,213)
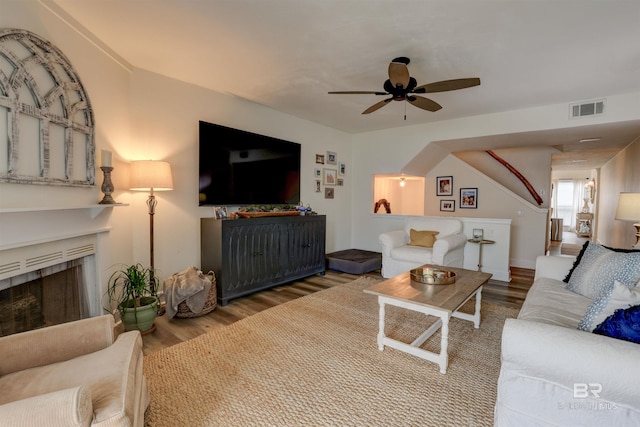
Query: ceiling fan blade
(377,106)
(424,103)
(399,74)
(447,85)
(358,92)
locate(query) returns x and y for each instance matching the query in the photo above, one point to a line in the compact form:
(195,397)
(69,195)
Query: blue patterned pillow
(598,269)
(576,262)
(623,324)
(614,298)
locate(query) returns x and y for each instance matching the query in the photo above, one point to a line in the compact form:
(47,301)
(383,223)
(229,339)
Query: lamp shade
(146,175)
(628,207)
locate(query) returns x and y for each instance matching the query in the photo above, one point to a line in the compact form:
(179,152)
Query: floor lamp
(629,210)
(151,175)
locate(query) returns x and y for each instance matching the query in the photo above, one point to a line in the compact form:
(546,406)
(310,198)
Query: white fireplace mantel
(94,210)
(35,238)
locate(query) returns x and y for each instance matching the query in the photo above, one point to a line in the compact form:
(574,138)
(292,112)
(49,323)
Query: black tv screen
(243,168)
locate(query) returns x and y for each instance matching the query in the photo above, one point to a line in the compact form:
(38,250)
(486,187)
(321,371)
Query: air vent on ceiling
(586,109)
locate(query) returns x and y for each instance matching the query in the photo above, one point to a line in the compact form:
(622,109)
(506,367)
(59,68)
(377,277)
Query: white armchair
(398,256)
(77,373)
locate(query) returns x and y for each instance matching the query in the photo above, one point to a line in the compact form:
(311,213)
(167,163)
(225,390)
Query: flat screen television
(243,168)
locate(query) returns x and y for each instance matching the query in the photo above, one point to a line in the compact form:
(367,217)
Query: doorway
(571,207)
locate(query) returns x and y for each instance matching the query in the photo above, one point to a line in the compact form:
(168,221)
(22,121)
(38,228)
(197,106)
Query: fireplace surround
(37,242)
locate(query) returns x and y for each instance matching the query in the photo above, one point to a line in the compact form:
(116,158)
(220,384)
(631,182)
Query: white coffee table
(441,301)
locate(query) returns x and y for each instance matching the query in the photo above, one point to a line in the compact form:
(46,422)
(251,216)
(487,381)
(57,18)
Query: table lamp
(629,210)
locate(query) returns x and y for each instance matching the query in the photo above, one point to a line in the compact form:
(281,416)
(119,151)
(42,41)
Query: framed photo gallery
(468,196)
(327,177)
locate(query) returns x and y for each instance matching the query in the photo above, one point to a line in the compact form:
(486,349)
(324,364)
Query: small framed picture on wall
(468,198)
(329,176)
(320,159)
(447,205)
(332,158)
(342,169)
(444,186)
(328,192)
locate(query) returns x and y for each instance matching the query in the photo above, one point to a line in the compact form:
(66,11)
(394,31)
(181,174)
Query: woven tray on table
(184,312)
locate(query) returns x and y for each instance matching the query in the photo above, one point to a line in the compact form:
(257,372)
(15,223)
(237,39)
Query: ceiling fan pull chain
(405,109)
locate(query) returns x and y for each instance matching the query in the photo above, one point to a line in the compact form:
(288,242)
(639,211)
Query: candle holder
(107,186)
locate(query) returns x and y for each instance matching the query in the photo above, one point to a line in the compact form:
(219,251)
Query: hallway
(572,243)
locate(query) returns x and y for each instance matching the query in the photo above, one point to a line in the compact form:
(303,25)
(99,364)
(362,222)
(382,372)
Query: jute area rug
(314,361)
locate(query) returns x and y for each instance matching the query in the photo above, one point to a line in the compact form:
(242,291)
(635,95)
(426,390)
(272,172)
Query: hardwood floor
(555,247)
(174,331)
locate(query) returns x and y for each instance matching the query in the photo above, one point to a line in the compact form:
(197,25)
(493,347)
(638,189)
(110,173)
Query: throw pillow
(598,269)
(576,262)
(622,249)
(623,324)
(618,296)
(424,238)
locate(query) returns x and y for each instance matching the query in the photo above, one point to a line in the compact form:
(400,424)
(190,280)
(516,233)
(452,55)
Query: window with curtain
(567,201)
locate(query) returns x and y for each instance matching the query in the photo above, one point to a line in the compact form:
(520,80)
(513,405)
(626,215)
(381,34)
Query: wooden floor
(555,247)
(174,331)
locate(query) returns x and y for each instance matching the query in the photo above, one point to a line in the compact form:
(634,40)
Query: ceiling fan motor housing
(399,93)
(402,60)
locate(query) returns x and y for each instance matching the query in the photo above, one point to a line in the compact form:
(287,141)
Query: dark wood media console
(252,254)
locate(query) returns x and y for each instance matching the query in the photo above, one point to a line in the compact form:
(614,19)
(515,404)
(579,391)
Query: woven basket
(184,312)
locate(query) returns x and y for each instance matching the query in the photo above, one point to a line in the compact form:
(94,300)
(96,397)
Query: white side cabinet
(583,224)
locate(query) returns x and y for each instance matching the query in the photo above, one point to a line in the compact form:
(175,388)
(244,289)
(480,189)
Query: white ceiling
(287,54)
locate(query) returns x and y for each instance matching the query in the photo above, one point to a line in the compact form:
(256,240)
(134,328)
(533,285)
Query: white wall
(495,256)
(107,83)
(388,151)
(533,163)
(165,115)
(494,201)
(140,115)
(620,174)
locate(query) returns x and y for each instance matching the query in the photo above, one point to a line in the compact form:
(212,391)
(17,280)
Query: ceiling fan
(402,87)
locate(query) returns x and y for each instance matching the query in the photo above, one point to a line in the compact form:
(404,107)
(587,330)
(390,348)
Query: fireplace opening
(43,298)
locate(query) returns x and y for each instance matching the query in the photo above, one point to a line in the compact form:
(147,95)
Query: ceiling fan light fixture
(400,86)
(584,140)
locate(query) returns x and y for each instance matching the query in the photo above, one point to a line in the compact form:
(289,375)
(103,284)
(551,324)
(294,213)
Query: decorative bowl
(263,214)
(433,276)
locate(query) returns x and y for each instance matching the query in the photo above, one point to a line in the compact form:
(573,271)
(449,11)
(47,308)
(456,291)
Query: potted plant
(131,289)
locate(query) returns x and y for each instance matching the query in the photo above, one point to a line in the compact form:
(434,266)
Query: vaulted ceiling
(287,54)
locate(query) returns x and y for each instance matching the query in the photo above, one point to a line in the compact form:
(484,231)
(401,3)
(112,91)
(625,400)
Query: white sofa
(399,257)
(553,374)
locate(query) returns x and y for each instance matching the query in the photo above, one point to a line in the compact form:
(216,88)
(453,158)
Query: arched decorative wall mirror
(46,120)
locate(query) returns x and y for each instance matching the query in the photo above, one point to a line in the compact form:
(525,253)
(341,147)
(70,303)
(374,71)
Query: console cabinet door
(253,254)
(305,246)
